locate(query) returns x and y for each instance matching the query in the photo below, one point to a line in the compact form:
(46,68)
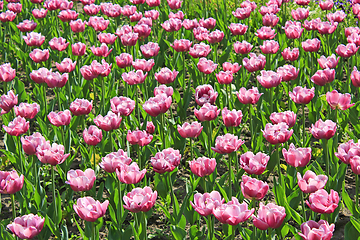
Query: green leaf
(178,233)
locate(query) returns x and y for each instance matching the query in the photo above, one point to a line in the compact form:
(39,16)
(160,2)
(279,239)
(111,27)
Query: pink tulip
(302,95)
(61,118)
(329,62)
(129,39)
(270,20)
(265,33)
(242,13)
(92,136)
(107,38)
(102,51)
(110,10)
(269,216)
(207,112)
(274,9)
(98,23)
(323,130)
(140,199)
(205,203)
(90,210)
(91,9)
(114,160)
(51,154)
(150,49)
(133,77)
(153,3)
(355,8)
(30,143)
(253,189)
(192,130)
(234,68)
(14,7)
(322,77)
(7,73)
(237,29)
(142,64)
(190,24)
(290,55)
(327,27)
(174,4)
(103,69)
(232,212)
(355,77)
(338,100)
(110,122)
(38,55)
(297,157)
(287,117)
(326,5)
(269,47)
(34,39)
(206,66)
(81,181)
(66,65)
(205,94)
(128,10)
(202,166)
(87,73)
(182,45)
(255,63)
(242,47)
(201,33)
(78,49)
(227,144)
(224,77)
(166,76)
(157,105)
(17,127)
(10,182)
(254,164)
(312,25)
(80,107)
(322,202)
(293,31)
(208,23)
(27,110)
(355,164)
(55,79)
(27,226)
(269,79)
(231,118)
(122,105)
(8,101)
(7,16)
(250,96)
(68,15)
(300,14)
(163,89)
(124,60)
(337,16)
(150,127)
(302,2)
(346,151)
(248,3)
(143,30)
(172,25)
(39,13)
(39,76)
(311,45)
(288,73)
(312,230)
(346,51)
(200,50)
(354,38)
(141,138)
(277,133)
(166,160)
(59,44)
(130,174)
(215,36)
(311,182)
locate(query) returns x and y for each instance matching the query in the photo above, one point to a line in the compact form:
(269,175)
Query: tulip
(174,4)
(10,182)
(59,44)
(270,20)
(254,164)
(27,110)
(157,105)
(133,77)
(124,60)
(39,76)
(129,39)
(39,13)
(255,63)
(347,150)
(153,3)
(7,73)
(102,51)
(166,160)
(234,68)
(287,117)
(237,29)
(302,2)
(311,45)
(172,25)
(140,200)
(7,16)
(128,10)
(231,118)
(114,160)
(98,23)
(68,15)
(269,47)
(81,180)
(323,130)
(110,122)
(141,138)
(224,77)
(269,216)
(163,89)
(142,64)
(206,66)
(182,45)
(316,230)
(192,130)
(274,9)
(136,17)
(17,127)
(122,105)
(66,65)
(91,9)
(208,23)
(265,33)
(242,13)
(150,49)
(322,202)
(269,79)
(61,118)
(327,27)
(27,226)
(300,14)
(201,33)
(326,5)
(355,164)
(311,182)
(92,136)
(8,101)
(329,62)
(347,51)
(232,212)
(215,36)
(337,16)
(290,55)
(200,50)
(107,38)
(277,133)
(14,7)
(354,38)
(190,24)
(90,210)
(202,166)
(34,39)
(30,143)
(80,107)
(205,203)
(55,79)
(130,174)
(288,73)
(248,3)
(51,154)
(207,112)
(322,77)
(166,76)
(312,25)
(297,157)
(205,94)
(302,95)
(38,55)
(338,100)
(227,144)
(253,189)
(242,47)
(250,96)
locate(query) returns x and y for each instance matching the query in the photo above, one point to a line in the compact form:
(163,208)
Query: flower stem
(210,139)
(271,99)
(120,204)
(93,230)
(357,191)
(144,226)
(230,173)
(44,95)
(20,158)
(172,194)
(102,96)
(162,118)
(303,118)
(191,150)
(326,160)
(137,104)
(280,181)
(58,98)
(53,192)
(251,127)
(94,89)
(13,205)
(210,227)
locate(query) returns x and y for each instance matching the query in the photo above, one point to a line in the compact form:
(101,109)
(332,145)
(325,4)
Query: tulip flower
(80,107)
(51,154)
(92,136)
(322,202)
(27,110)
(269,47)
(252,188)
(254,164)
(265,33)
(232,212)
(190,24)
(200,50)
(242,13)
(34,39)
(300,13)
(231,118)
(143,30)
(7,73)
(205,203)
(255,63)
(238,29)
(110,122)
(322,77)
(182,45)
(316,230)
(166,160)
(124,60)
(311,182)
(66,65)
(55,79)
(114,160)
(61,118)
(205,94)
(302,95)
(326,5)
(337,16)
(142,64)
(8,101)
(81,180)
(277,133)
(30,143)
(338,100)
(297,157)
(98,23)
(224,77)
(290,55)
(7,16)
(107,38)
(234,68)
(17,127)
(78,49)
(153,3)
(172,25)
(347,150)
(10,182)
(90,210)
(128,10)
(327,27)
(227,144)
(200,33)
(207,112)
(347,51)
(133,77)
(39,13)
(248,3)
(157,105)
(242,47)
(122,105)
(192,130)
(269,216)
(287,73)
(140,200)
(14,7)
(355,164)
(129,39)
(59,44)
(311,45)
(141,138)
(102,51)
(150,49)
(270,20)
(273,8)
(329,62)
(287,117)
(269,79)
(323,130)
(163,89)
(202,166)
(250,96)
(130,174)
(27,226)
(215,36)
(38,55)
(91,9)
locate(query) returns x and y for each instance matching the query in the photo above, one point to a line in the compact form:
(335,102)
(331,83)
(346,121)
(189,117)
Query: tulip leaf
(350,231)
(178,233)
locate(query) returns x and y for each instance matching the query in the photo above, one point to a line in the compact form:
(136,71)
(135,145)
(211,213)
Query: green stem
(144,226)
(184,71)
(111,141)
(120,204)
(172,194)
(233,232)
(139,156)
(210,139)
(137,104)
(94,158)
(227,96)
(57,90)
(53,192)
(303,118)
(13,205)
(93,230)
(191,150)
(271,99)
(210,227)
(326,160)
(230,174)
(289,102)
(63,135)
(35,170)
(102,96)
(251,127)
(20,158)
(94,89)
(357,191)
(280,181)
